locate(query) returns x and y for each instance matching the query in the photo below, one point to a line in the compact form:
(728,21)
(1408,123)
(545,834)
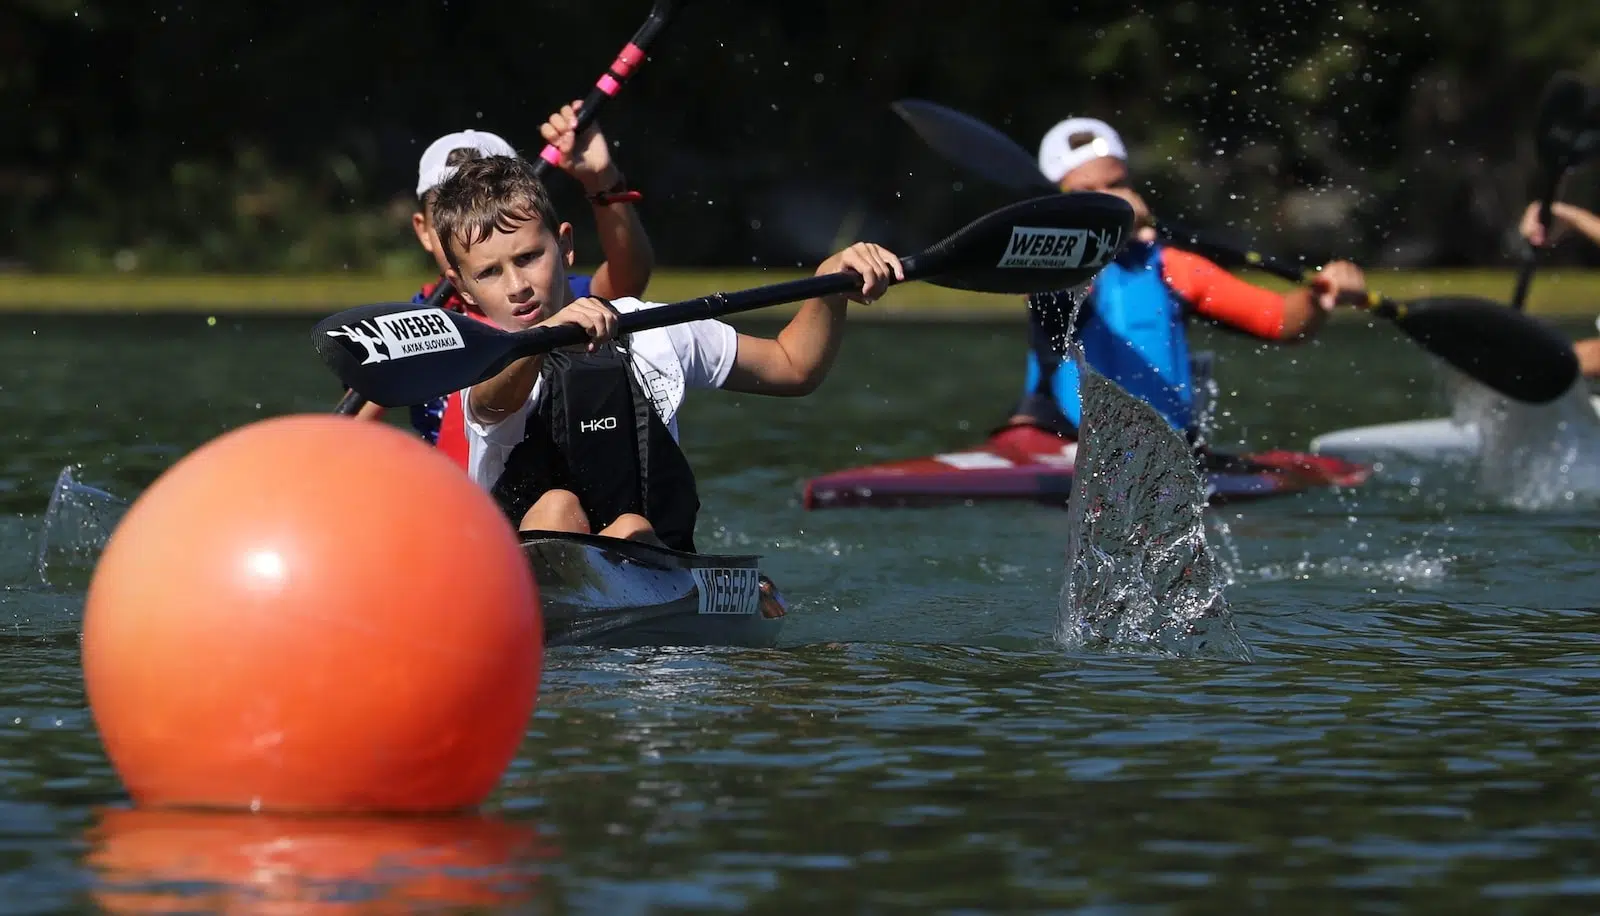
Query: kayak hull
(1024,464)
(600,591)
(1432,441)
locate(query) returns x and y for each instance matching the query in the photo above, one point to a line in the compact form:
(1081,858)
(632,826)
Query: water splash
(1140,574)
(1416,568)
(1206,395)
(77,523)
(1409,562)
(1532,456)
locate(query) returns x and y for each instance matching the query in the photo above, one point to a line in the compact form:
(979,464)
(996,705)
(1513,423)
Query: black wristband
(616,194)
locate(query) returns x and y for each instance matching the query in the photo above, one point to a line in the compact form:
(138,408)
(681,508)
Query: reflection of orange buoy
(150,861)
(312,614)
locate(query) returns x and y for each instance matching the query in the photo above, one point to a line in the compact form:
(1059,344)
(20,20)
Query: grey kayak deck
(599,591)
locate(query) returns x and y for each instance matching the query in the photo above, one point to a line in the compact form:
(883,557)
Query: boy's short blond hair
(494,192)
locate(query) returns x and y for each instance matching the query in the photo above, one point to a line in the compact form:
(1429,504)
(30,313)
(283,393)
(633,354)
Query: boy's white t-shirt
(667,362)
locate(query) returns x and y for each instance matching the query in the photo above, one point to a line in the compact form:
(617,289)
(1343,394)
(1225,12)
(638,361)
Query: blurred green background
(258,155)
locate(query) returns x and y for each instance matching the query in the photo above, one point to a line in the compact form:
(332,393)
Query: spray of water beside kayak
(1141,575)
(1532,457)
(1436,440)
(595,591)
(1524,456)
(77,523)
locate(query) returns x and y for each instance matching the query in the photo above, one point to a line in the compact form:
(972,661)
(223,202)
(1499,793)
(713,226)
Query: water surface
(1417,732)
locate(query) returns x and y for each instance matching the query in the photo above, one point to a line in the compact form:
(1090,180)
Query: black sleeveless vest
(596,433)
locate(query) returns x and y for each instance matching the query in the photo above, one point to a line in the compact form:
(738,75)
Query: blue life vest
(1132,328)
(426,417)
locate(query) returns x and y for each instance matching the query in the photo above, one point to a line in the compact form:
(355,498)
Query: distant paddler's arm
(1588,357)
(1563,216)
(795,362)
(1302,318)
(1217,295)
(1579,219)
(369,411)
(1306,309)
(630,258)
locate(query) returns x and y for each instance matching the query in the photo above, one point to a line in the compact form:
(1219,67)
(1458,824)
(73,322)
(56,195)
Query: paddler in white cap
(1132,325)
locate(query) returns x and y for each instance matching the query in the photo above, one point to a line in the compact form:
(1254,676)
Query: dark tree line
(283,135)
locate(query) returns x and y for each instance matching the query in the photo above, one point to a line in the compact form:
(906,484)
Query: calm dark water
(1419,731)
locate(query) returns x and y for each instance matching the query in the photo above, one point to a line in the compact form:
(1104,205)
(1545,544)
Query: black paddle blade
(973,145)
(1033,246)
(1587,143)
(397,354)
(1513,353)
(1564,128)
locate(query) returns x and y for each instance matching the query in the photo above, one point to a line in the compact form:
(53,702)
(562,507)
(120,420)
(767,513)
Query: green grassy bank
(1573,292)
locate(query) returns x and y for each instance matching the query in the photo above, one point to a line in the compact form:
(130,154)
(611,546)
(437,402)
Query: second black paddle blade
(1563,129)
(396,354)
(973,145)
(1513,353)
(1034,246)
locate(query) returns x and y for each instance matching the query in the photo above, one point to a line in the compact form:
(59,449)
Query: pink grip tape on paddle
(628,58)
(610,81)
(621,69)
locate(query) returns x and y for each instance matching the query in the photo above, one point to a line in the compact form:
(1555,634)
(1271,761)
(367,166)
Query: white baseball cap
(1057,157)
(432,170)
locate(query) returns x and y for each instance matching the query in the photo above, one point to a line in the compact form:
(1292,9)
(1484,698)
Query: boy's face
(516,278)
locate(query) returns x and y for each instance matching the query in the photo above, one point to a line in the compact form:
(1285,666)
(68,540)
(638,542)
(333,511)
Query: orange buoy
(310,614)
(165,861)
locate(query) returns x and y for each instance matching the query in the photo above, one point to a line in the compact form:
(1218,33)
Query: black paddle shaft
(400,353)
(1530,255)
(944,260)
(627,60)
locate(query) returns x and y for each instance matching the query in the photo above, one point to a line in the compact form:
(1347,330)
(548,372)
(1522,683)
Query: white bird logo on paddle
(367,339)
(1103,245)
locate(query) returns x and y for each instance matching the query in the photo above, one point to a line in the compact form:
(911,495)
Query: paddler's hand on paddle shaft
(1562,217)
(586,158)
(596,318)
(1338,281)
(1144,223)
(876,265)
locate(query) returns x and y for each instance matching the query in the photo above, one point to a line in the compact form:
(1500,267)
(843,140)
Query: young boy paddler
(584,439)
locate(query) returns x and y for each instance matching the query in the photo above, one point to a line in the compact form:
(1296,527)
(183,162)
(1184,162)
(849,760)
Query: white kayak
(1434,441)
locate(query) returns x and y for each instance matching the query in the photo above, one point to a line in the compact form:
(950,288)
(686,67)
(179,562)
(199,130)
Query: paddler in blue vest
(629,256)
(1132,325)
(585,439)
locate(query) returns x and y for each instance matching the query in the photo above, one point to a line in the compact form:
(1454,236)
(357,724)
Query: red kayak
(1024,463)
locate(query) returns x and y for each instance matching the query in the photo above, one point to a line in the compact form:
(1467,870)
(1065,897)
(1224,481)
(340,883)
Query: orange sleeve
(1216,294)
